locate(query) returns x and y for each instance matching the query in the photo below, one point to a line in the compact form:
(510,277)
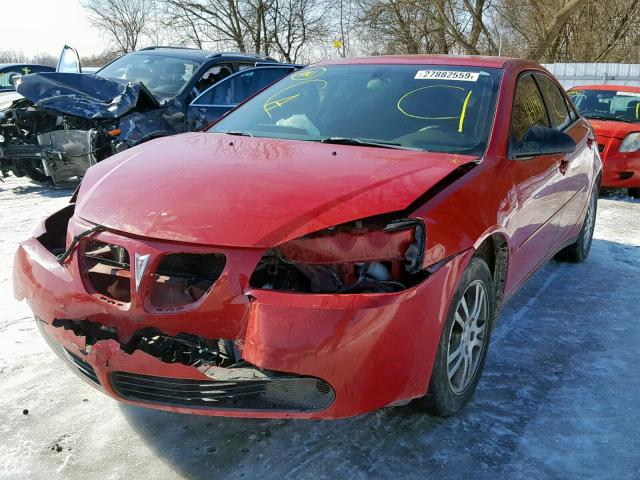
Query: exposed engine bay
(67,122)
(370,256)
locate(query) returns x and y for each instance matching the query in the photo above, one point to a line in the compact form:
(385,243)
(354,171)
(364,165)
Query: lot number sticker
(446,75)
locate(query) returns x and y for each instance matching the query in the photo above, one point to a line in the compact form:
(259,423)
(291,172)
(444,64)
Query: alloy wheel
(467,337)
(589,223)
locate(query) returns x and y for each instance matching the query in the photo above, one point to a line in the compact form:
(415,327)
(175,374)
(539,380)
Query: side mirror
(544,141)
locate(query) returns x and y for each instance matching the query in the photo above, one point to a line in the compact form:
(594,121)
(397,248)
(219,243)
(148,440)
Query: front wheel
(464,342)
(578,251)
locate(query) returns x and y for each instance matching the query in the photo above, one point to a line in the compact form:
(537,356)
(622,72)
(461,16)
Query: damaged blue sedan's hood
(84,95)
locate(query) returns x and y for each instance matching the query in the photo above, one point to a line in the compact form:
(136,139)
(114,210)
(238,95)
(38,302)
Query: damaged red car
(341,242)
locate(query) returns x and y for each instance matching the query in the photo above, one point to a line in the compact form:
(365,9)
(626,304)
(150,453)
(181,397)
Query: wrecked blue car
(67,122)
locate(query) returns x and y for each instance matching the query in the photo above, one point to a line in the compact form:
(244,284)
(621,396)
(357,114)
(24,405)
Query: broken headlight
(367,256)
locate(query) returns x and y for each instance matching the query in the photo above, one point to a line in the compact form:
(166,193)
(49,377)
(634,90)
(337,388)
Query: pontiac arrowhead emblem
(141,266)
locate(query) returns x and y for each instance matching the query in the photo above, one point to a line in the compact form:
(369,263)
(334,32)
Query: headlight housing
(375,255)
(631,143)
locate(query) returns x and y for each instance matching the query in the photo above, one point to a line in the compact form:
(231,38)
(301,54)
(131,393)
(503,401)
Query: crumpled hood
(251,192)
(613,129)
(84,95)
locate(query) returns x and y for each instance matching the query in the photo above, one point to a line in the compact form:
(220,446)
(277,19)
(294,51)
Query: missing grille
(108,270)
(184,278)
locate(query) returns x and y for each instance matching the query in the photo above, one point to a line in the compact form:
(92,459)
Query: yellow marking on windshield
(464,111)
(274,102)
(308,73)
(637,110)
(268,106)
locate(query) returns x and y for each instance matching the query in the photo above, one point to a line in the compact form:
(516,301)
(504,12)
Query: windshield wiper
(367,143)
(238,133)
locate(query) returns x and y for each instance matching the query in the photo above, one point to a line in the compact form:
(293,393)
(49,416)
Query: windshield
(607,104)
(163,76)
(435,108)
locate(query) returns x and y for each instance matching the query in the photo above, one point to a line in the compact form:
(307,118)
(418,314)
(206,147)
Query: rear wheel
(463,343)
(37,176)
(578,251)
(634,192)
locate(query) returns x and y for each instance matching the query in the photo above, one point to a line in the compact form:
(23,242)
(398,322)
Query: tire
(634,192)
(450,388)
(35,175)
(578,251)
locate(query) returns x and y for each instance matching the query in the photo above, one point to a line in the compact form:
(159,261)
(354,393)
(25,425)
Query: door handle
(202,110)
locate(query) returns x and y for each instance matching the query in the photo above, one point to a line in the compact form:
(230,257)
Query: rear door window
(555,101)
(528,109)
(237,88)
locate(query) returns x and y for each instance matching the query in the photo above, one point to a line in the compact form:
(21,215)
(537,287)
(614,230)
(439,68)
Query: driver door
(534,223)
(231,91)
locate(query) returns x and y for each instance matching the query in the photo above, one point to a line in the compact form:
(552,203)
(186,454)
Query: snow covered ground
(560,395)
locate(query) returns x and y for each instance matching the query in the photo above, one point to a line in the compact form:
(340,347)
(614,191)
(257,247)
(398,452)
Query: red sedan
(614,113)
(341,242)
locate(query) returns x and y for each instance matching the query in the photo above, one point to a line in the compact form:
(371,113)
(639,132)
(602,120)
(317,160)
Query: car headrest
(173,68)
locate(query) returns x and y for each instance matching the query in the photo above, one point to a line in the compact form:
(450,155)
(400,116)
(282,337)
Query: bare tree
(305,30)
(281,27)
(405,26)
(184,27)
(293,25)
(465,22)
(44,59)
(12,56)
(553,25)
(124,22)
(220,20)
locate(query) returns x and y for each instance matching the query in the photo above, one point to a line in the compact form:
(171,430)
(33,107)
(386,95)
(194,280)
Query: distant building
(571,74)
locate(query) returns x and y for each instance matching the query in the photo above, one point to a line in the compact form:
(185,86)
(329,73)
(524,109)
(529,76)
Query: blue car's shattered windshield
(164,76)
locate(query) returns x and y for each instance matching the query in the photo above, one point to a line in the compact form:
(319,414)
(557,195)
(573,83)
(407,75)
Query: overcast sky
(34,26)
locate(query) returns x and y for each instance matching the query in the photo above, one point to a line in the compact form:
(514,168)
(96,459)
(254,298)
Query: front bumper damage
(59,155)
(236,351)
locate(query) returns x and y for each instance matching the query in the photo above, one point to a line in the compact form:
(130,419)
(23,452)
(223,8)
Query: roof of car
(194,53)
(618,88)
(458,60)
(7,65)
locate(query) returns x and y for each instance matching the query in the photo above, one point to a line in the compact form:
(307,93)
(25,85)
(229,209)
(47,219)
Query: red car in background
(341,242)
(614,113)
